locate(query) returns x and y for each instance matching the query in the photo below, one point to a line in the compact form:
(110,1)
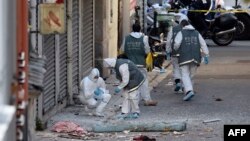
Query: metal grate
(75,45)
(63,63)
(87,37)
(63,67)
(50,78)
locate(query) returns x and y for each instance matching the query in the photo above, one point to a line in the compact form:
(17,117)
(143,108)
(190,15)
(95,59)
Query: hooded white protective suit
(219,2)
(188,70)
(93,92)
(144,89)
(131,99)
(170,39)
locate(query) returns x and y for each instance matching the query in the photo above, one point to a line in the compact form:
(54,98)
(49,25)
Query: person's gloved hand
(168,57)
(98,92)
(206,60)
(117,90)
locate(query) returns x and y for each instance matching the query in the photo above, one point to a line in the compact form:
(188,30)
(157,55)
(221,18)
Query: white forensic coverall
(144,89)
(219,2)
(88,86)
(174,59)
(188,70)
(131,99)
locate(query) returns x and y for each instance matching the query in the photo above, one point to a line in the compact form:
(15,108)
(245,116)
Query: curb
(140,127)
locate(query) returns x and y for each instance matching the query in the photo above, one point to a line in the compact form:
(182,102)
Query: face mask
(94,75)
(95,79)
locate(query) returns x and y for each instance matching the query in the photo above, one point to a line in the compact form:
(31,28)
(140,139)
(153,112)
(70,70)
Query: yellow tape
(215,11)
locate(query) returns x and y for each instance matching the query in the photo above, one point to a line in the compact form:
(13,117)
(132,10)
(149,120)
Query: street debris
(209,130)
(218,99)
(68,127)
(119,137)
(177,133)
(83,137)
(126,131)
(170,83)
(143,138)
(213,120)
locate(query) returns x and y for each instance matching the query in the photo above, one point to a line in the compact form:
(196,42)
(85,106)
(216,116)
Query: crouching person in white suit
(93,92)
(131,79)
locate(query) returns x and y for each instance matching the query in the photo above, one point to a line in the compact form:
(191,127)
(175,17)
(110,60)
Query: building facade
(91,35)
(93,31)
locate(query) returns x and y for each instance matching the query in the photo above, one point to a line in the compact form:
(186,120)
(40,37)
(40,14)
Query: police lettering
(191,40)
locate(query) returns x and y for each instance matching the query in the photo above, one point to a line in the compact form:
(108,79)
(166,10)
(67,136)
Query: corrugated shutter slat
(87,37)
(63,67)
(63,63)
(50,78)
(75,45)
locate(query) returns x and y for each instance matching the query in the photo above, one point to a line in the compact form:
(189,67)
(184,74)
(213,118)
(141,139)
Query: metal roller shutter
(75,45)
(63,67)
(87,36)
(49,94)
(63,63)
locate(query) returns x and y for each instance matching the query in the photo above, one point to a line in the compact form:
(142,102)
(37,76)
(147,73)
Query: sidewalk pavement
(154,78)
(91,123)
(222,98)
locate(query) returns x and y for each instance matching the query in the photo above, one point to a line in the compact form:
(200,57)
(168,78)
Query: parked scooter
(243,16)
(221,29)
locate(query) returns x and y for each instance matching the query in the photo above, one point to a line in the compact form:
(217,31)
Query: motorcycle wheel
(240,27)
(245,19)
(224,40)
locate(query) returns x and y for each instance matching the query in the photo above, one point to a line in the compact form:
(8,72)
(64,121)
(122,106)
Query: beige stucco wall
(106,32)
(126,17)
(129,13)
(112,24)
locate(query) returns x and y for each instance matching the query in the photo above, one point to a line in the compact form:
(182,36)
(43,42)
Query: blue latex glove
(98,92)
(117,90)
(206,60)
(168,56)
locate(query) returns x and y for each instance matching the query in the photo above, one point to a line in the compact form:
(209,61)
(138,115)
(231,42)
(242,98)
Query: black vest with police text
(134,49)
(190,48)
(136,78)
